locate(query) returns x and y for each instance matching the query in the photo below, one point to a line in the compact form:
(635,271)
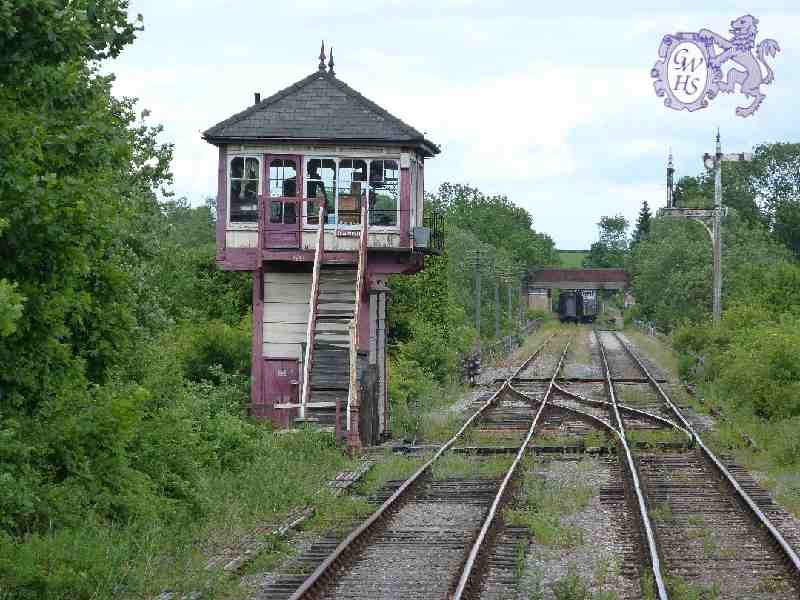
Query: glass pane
(391,169)
(375,170)
(323,169)
(275,212)
(312,212)
(384,200)
(250,191)
(282,178)
(321,184)
(236,191)
(352,187)
(243,202)
(237,167)
(289,213)
(251,168)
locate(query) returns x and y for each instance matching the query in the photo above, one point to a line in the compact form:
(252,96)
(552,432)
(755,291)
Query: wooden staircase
(330,371)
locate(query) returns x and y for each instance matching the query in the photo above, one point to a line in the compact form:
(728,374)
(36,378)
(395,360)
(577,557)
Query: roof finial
(330,63)
(322,56)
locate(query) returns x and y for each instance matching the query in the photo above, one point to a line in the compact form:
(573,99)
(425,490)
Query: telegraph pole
(475,256)
(718,232)
(497,307)
(712,217)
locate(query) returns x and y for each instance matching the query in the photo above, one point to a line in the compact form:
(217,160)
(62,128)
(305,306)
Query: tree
(776,181)
(642,224)
(671,269)
(77,165)
(497,221)
(612,247)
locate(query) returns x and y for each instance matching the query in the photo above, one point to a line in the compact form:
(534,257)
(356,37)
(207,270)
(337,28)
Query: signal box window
(243,194)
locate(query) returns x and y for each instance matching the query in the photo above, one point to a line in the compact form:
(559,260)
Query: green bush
(410,390)
(206,344)
(761,370)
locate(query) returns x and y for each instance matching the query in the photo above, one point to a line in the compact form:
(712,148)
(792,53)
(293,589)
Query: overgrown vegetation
(747,366)
(126,455)
(431,315)
(542,502)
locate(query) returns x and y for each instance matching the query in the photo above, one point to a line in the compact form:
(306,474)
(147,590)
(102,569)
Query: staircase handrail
(313,303)
(353,399)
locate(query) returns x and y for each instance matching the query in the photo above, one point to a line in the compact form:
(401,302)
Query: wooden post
(353,397)
(312,313)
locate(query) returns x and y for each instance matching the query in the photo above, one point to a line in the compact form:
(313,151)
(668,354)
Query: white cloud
(552,105)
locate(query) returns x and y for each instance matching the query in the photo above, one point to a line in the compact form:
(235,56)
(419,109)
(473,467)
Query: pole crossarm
(711,219)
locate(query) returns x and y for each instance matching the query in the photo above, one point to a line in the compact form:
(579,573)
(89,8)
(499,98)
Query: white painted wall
(286,297)
(241,238)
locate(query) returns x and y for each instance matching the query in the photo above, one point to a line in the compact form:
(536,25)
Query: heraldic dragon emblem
(690,72)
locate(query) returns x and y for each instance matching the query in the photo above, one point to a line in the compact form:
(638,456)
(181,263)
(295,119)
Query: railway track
(710,536)
(434,535)
(684,527)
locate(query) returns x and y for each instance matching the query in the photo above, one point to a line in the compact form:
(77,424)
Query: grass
(391,467)
(773,458)
(572,259)
(636,395)
(440,426)
(679,589)
(652,438)
(579,350)
(461,466)
(533,341)
(654,350)
(542,502)
(276,551)
(146,557)
(493,438)
(662,512)
(338,514)
(776,455)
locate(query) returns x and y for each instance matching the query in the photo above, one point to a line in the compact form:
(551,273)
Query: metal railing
(435,222)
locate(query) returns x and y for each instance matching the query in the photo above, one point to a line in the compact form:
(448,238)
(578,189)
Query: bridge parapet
(578,279)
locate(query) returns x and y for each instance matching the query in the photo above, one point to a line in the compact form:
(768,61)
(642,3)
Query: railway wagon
(575,307)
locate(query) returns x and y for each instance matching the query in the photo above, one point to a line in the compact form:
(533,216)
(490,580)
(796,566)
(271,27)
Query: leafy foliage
(671,270)
(497,221)
(611,249)
(642,224)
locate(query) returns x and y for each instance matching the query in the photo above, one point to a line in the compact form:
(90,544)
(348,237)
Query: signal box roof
(318,108)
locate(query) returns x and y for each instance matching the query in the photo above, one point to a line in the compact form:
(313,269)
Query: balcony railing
(282,221)
(435,222)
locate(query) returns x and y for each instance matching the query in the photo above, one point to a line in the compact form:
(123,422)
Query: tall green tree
(776,180)
(612,248)
(495,220)
(77,165)
(642,224)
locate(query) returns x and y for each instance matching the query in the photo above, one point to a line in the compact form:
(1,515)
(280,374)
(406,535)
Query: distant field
(572,258)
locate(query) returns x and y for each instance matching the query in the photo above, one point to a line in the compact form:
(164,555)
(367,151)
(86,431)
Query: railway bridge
(540,282)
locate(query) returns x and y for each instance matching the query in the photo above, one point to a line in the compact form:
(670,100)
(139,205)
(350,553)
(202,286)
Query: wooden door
(280,387)
(283,208)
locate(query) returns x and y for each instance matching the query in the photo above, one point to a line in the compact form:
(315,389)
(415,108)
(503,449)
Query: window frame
(368,158)
(245,225)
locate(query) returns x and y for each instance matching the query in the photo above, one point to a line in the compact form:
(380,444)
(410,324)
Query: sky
(548,103)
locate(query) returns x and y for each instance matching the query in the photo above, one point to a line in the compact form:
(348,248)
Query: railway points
(661,510)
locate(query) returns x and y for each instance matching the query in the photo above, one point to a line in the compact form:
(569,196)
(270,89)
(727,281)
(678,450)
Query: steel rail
(314,583)
(655,563)
(629,409)
(589,416)
(468,573)
(763,519)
